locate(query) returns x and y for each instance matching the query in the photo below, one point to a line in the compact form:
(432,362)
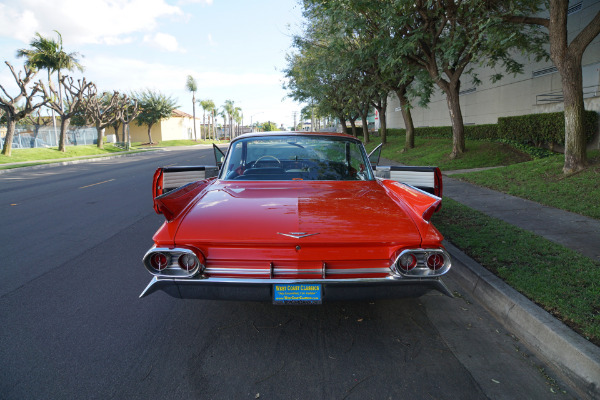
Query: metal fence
(27,137)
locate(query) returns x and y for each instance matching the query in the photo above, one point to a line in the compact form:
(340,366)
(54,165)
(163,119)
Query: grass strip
(435,151)
(562,281)
(544,182)
(50,156)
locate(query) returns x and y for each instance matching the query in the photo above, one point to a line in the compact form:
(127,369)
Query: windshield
(283,158)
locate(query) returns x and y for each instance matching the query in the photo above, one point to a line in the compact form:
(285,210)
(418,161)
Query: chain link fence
(32,136)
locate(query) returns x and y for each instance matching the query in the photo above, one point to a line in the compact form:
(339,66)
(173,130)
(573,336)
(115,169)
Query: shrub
(543,128)
(481,132)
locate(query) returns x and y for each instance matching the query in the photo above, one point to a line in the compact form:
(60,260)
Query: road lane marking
(94,184)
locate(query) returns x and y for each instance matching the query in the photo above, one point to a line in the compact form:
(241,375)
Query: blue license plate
(309,293)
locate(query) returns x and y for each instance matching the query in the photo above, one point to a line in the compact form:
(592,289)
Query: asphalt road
(72,326)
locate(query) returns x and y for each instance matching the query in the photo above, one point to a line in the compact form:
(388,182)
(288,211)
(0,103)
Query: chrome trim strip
(278,271)
(332,271)
(154,284)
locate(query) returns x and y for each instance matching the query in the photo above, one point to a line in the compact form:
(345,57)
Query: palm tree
(228,108)
(205,104)
(210,107)
(48,54)
(237,116)
(192,86)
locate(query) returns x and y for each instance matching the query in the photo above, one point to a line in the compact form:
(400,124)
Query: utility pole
(295,114)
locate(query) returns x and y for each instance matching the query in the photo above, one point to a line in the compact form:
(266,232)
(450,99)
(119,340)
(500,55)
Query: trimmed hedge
(536,129)
(543,128)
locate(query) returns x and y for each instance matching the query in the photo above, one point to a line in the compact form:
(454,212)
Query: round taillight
(159,261)
(407,261)
(435,261)
(187,262)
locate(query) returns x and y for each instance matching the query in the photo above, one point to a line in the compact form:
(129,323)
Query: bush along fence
(547,130)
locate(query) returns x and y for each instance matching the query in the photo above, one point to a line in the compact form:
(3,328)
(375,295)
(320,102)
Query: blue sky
(234,49)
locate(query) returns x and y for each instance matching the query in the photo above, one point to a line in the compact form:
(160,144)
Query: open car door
(428,179)
(374,156)
(219,156)
(170,178)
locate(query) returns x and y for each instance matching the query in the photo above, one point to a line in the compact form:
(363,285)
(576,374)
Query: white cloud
(88,21)
(205,2)
(211,42)
(164,42)
(129,74)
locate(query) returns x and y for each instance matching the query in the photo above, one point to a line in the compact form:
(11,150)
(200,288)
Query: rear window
(296,158)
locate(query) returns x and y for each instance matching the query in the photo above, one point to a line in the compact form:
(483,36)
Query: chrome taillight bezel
(173,268)
(421,269)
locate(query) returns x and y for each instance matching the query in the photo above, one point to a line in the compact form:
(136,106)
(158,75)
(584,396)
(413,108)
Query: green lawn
(52,153)
(560,280)
(435,152)
(543,181)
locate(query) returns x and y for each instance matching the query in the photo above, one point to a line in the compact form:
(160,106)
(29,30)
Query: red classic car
(296,217)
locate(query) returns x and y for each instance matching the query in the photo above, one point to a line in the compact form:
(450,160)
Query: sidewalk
(571,230)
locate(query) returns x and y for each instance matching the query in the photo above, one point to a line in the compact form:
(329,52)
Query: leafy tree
(154,107)
(566,56)
(192,86)
(10,104)
(441,37)
(269,126)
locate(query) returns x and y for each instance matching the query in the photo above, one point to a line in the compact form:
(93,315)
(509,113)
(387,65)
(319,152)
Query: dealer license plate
(310,293)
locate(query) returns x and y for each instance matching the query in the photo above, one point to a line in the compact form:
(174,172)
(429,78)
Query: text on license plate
(297,294)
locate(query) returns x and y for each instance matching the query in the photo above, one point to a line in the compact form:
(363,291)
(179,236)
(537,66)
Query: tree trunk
(116,129)
(575,143)
(383,123)
(203,125)
(407,116)
(365,127)
(126,128)
(10,134)
(64,127)
(100,131)
(149,133)
(353,124)
(194,115)
(458,128)
(343,122)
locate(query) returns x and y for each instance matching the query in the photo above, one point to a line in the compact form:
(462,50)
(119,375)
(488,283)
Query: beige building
(537,90)
(180,126)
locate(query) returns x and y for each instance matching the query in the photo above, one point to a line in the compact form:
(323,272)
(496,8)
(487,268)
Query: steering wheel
(266,156)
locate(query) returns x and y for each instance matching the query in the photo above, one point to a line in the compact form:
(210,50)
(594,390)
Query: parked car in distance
(296,218)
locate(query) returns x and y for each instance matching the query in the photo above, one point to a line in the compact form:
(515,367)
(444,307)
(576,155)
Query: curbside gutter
(576,359)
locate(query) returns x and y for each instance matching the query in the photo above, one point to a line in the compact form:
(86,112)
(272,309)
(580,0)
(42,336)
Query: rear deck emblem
(297,235)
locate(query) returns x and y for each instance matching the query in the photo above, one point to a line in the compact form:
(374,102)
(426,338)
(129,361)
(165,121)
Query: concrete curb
(574,357)
(60,163)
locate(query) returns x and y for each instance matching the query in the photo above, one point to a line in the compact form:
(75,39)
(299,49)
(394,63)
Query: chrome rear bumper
(262,289)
